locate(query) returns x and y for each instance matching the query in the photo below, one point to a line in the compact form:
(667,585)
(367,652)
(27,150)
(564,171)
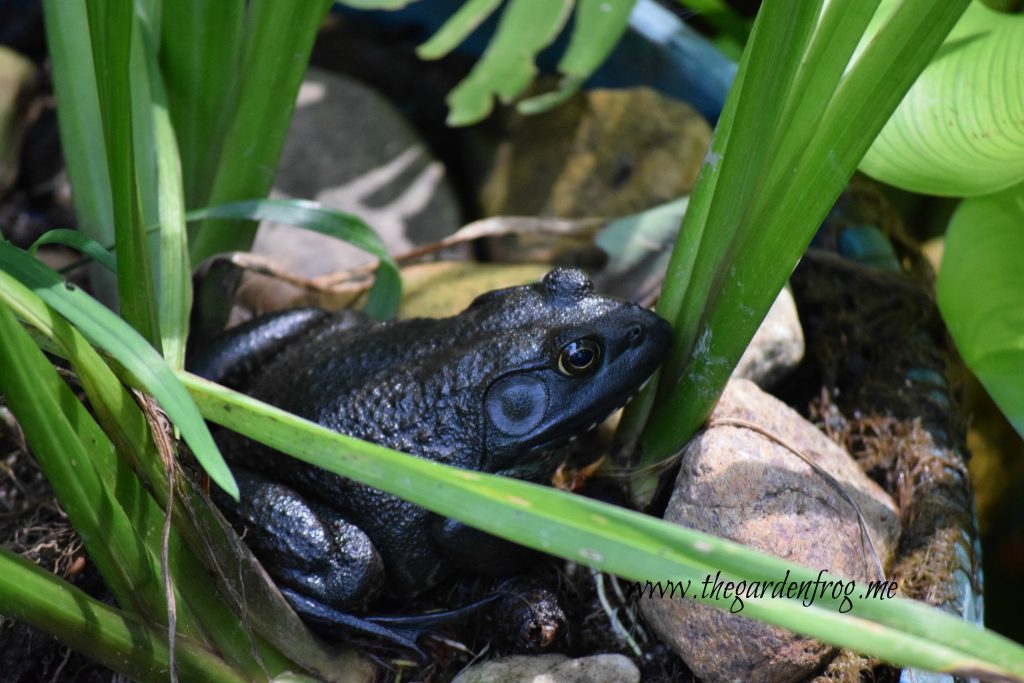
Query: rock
(603,153)
(607,668)
(738,484)
(350,149)
(777,346)
(17,83)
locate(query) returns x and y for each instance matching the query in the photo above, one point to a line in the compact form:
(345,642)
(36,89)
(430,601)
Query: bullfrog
(500,388)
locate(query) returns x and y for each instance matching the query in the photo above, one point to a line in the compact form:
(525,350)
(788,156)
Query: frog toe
(333,622)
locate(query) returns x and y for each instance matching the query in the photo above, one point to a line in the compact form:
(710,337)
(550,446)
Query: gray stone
(552,668)
(349,148)
(777,346)
(738,484)
(17,83)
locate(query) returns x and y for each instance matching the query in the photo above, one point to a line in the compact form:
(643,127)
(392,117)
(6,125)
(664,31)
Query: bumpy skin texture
(497,388)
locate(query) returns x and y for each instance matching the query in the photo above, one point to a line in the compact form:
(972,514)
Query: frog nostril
(635,334)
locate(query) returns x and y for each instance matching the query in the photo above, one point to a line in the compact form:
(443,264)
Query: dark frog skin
(497,388)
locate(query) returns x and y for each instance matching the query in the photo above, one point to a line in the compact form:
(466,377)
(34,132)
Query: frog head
(561,359)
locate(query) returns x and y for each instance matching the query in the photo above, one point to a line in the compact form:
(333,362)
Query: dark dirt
(33,525)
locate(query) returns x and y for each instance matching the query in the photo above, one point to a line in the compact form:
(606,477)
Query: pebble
(777,347)
(553,668)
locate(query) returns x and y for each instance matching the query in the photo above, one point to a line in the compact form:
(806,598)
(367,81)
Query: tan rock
(17,83)
(741,485)
(603,153)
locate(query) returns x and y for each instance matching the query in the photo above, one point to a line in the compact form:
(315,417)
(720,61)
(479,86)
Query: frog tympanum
(497,388)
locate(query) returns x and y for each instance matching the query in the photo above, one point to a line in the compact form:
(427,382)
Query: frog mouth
(577,433)
(540,459)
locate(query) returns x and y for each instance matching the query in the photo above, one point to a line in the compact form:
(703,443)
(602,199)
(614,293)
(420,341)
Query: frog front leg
(321,562)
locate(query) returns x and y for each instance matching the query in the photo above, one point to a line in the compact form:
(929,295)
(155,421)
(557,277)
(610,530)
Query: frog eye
(579,357)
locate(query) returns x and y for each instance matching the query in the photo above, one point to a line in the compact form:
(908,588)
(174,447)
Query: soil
(33,525)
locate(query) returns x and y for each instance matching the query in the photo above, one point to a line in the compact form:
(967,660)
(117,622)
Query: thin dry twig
(160,428)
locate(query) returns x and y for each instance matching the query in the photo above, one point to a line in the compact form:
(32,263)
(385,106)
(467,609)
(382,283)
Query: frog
(500,388)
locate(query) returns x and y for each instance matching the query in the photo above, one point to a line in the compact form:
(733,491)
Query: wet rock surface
(739,484)
(606,668)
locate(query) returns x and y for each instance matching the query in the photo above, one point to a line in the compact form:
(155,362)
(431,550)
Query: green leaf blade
(110,636)
(715,222)
(161,192)
(273,63)
(463,22)
(80,242)
(201,79)
(619,541)
(387,287)
(67,32)
(112,27)
(966,111)
(774,232)
(104,329)
(78,114)
(70,447)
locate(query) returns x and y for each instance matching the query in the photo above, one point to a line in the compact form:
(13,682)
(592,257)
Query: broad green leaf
(79,241)
(981,294)
(116,639)
(506,67)
(107,331)
(598,26)
(960,129)
(458,27)
(622,542)
(387,286)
